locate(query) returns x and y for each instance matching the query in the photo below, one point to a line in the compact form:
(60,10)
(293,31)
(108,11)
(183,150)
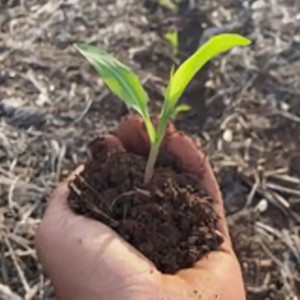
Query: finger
(75,173)
(191,159)
(133,134)
(185,151)
(101,147)
(58,201)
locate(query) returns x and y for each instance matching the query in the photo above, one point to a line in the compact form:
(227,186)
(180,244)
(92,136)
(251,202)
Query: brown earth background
(245,114)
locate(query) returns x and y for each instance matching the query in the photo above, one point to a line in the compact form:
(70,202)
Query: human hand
(85,259)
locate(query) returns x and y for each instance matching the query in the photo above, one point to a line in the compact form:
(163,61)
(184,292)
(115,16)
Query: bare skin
(87,260)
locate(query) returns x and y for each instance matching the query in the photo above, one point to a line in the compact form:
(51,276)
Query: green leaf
(119,78)
(179,109)
(172,37)
(150,129)
(182,108)
(192,65)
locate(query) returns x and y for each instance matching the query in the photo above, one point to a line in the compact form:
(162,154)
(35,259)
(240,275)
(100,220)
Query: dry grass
(52,104)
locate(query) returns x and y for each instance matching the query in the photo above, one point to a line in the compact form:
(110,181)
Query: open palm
(87,260)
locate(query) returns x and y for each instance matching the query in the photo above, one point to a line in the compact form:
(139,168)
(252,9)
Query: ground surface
(246,116)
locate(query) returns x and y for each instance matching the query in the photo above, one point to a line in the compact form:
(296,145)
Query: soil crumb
(171,220)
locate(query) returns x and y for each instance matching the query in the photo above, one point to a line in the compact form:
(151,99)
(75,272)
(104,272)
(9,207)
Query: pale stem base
(151,162)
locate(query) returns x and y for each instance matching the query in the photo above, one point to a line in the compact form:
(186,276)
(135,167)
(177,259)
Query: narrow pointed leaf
(192,65)
(119,78)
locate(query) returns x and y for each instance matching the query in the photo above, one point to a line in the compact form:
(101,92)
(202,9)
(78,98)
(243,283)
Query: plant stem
(151,162)
(154,150)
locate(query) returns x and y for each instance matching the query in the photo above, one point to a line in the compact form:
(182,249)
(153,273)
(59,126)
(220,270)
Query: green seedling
(123,82)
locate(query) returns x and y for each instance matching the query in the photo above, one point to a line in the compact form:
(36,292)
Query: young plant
(126,85)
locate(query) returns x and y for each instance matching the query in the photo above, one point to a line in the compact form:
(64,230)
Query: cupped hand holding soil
(86,259)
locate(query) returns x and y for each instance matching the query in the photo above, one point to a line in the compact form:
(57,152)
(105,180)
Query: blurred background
(245,114)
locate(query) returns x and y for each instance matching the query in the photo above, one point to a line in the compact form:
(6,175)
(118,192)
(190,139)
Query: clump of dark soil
(171,221)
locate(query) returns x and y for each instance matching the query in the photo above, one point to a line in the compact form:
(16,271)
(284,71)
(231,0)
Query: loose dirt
(171,220)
